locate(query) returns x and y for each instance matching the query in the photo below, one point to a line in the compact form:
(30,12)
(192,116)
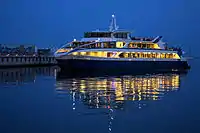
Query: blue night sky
(55,22)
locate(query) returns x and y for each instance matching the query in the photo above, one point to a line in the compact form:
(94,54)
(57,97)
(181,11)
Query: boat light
(97,40)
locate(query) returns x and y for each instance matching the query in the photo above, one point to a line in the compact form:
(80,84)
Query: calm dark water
(38,100)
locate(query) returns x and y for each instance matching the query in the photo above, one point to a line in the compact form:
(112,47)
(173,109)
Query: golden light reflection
(106,92)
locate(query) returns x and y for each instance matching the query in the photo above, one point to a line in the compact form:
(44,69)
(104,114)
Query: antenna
(113,25)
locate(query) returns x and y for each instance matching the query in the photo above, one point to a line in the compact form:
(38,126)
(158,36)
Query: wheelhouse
(97,34)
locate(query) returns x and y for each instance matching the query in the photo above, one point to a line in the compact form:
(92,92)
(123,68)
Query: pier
(16,61)
(25,55)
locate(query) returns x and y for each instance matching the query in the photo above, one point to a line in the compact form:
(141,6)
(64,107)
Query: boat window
(148,55)
(120,35)
(124,35)
(143,45)
(97,34)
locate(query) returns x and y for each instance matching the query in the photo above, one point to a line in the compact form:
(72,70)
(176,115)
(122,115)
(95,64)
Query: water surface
(42,100)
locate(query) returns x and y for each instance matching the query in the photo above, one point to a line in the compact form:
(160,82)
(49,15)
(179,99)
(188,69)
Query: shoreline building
(20,50)
(10,49)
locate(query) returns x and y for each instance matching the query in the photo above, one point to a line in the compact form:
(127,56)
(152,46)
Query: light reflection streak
(111,93)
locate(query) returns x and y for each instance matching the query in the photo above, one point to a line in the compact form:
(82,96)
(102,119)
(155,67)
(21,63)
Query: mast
(113,25)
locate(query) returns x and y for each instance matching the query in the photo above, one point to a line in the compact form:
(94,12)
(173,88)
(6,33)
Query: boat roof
(107,31)
(121,30)
(105,39)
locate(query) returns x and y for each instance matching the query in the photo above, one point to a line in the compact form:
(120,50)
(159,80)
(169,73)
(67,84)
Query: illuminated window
(143,45)
(119,44)
(163,55)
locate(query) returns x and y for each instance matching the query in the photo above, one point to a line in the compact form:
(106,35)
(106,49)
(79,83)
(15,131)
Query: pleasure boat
(116,49)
